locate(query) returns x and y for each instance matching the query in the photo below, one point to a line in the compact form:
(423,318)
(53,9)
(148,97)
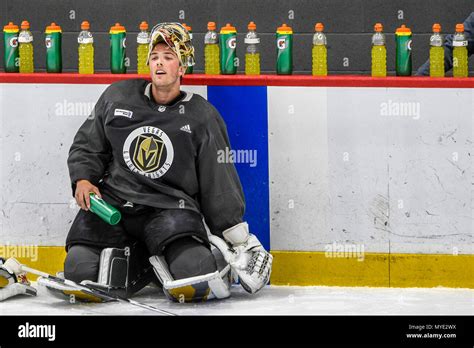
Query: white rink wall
(386,168)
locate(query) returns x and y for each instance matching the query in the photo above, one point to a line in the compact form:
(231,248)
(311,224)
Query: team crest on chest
(148,151)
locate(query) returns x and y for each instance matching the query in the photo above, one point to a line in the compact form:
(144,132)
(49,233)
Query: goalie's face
(165,67)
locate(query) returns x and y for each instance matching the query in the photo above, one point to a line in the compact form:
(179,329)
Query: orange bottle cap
(378,27)
(10,27)
(436,28)
(252,26)
(117,28)
(319,27)
(403,29)
(188,28)
(143,25)
(25,25)
(228,29)
(85,25)
(211,26)
(53,28)
(284,29)
(459,28)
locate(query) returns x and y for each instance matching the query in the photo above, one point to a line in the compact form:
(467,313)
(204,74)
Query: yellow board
(306,268)
(376,269)
(49,259)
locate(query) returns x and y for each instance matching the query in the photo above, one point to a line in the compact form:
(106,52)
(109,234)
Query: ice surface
(273,300)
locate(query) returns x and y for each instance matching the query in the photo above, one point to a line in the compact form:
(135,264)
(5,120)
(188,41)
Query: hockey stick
(17,267)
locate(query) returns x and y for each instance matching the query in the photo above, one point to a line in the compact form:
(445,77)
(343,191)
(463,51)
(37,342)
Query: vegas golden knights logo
(148,151)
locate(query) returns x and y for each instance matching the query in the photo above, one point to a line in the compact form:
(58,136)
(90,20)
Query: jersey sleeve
(90,152)
(221,197)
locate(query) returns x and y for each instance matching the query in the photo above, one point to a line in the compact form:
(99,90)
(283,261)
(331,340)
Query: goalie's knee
(189,272)
(187,257)
(82,263)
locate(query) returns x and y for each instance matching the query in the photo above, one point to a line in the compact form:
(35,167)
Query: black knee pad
(82,263)
(187,257)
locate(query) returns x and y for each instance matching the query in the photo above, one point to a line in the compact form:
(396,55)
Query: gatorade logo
(409,45)
(14,41)
(123,42)
(48,42)
(232,42)
(281,43)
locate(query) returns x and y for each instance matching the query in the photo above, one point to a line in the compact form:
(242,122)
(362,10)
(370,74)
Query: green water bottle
(284,37)
(53,48)
(189,69)
(228,42)
(104,210)
(117,49)
(403,51)
(11,54)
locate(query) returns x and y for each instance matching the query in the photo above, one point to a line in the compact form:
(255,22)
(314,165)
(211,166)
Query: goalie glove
(246,256)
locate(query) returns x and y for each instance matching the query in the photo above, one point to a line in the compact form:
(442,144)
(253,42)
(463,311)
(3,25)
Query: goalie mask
(177,38)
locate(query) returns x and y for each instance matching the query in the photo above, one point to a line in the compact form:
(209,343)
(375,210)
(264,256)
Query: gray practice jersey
(164,156)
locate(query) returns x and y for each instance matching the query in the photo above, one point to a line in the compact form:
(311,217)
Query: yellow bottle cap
(117,28)
(284,29)
(53,28)
(11,28)
(228,29)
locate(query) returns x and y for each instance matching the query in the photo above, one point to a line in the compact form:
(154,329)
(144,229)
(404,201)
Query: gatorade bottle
(436,52)
(211,51)
(25,42)
(117,49)
(403,51)
(379,52)
(189,69)
(459,52)
(228,44)
(252,54)
(10,40)
(86,49)
(143,40)
(320,61)
(53,48)
(284,65)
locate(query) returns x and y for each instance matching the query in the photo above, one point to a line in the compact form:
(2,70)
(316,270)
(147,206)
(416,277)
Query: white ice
(273,300)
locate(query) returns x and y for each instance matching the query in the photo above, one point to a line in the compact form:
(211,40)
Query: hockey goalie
(150,150)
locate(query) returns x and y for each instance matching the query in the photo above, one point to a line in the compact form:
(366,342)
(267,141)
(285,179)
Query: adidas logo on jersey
(186,129)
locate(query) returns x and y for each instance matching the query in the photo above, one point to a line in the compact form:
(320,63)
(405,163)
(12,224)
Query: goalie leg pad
(113,267)
(193,289)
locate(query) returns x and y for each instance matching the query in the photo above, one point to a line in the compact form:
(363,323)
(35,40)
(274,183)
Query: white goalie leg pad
(113,267)
(193,289)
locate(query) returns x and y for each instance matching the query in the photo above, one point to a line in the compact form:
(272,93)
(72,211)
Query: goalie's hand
(251,262)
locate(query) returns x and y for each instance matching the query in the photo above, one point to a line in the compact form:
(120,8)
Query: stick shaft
(82,287)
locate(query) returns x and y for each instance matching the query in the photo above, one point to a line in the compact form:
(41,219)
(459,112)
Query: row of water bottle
(220,50)
(403,55)
(19,53)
